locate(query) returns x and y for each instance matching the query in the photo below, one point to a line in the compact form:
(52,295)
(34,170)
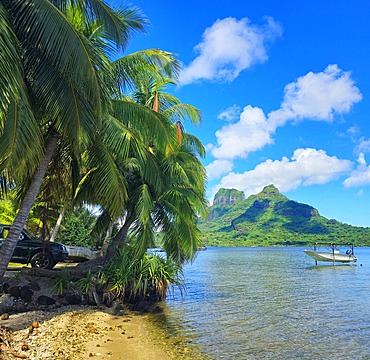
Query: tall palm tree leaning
(96,162)
(50,88)
(166,190)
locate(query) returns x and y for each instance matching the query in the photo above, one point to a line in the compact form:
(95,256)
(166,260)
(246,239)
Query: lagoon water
(273,303)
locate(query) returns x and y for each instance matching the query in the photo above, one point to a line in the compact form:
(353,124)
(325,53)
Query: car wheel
(42,260)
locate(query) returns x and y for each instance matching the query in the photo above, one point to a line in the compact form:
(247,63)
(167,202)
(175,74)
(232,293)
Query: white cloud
(218,168)
(364,146)
(228,47)
(230,114)
(238,139)
(361,160)
(360,176)
(306,167)
(317,96)
(314,96)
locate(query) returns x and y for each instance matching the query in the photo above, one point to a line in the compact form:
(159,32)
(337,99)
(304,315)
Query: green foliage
(7,212)
(269,218)
(62,282)
(77,227)
(84,284)
(130,278)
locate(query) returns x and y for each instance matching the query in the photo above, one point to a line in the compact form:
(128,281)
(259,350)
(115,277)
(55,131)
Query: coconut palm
(51,90)
(96,162)
(166,191)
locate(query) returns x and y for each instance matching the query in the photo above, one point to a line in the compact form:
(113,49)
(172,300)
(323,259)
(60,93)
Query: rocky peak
(227,197)
(270,190)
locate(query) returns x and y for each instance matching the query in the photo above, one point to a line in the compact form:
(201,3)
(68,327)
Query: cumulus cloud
(363,146)
(306,167)
(218,168)
(228,47)
(317,96)
(360,176)
(230,114)
(248,134)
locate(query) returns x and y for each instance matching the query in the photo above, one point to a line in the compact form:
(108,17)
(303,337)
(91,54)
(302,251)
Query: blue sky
(284,89)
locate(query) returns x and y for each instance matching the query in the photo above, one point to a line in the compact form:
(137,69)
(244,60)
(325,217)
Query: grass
(11,264)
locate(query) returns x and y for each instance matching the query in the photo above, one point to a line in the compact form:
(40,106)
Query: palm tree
(166,191)
(51,91)
(95,165)
(170,203)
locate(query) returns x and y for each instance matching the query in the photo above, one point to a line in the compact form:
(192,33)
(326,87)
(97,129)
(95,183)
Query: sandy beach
(83,333)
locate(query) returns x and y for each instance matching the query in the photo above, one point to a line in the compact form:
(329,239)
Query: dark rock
(45,300)
(73,299)
(142,306)
(84,300)
(26,293)
(157,310)
(114,308)
(152,298)
(35,286)
(6,287)
(6,303)
(15,291)
(2,288)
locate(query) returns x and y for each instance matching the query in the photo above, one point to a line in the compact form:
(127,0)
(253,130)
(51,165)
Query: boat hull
(330,257)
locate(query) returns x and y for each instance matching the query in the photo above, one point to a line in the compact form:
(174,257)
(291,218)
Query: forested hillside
(270,218)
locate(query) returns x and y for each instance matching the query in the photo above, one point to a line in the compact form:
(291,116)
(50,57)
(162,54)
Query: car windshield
(30,236)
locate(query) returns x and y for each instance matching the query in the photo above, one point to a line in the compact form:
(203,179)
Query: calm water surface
(273,303)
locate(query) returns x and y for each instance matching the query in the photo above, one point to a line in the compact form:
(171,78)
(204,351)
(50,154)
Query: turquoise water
(273,303)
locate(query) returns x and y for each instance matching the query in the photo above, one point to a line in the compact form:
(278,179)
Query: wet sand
(76,333)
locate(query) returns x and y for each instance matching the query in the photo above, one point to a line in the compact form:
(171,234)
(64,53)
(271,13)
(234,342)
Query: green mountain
(270,218)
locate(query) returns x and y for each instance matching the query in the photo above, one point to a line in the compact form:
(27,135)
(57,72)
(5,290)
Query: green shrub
(130,278)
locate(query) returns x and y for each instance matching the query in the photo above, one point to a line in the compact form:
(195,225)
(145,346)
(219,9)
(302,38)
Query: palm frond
(122,141)
(193,145)
(156,62)
(21,142)
(143,232)
(183,112)
(45,33)
(107,185)
(11,78)
(152,127)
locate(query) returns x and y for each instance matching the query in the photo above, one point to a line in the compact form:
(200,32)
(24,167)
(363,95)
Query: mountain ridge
(270,218)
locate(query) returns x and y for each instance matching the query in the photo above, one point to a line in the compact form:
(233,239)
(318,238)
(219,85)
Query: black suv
(30,249)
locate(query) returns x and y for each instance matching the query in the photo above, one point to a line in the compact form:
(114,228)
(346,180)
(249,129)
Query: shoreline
(77,333)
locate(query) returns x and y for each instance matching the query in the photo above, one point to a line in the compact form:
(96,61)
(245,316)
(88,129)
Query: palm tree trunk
(107,238)
(120,238)
(58,223)
(10,242)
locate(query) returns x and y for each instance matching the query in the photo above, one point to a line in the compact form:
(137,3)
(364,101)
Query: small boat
(202,248)
(332,254)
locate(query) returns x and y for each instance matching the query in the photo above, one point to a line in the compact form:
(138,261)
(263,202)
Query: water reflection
(272,303)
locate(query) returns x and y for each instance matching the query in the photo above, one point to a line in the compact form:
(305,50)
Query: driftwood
(79,270)
(72,272)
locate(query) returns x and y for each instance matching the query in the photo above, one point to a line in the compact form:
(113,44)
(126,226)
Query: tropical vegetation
(80,124)
(127,278)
